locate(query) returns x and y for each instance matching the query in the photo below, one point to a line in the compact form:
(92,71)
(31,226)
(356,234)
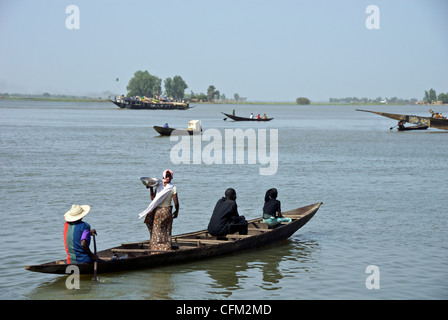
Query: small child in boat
(272,213)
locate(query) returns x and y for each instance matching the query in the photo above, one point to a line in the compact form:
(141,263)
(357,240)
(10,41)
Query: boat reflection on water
(276,263)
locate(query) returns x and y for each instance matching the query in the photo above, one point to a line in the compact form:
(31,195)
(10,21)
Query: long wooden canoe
(236,118)
(438,123)
(178,132)
(188,246)
(194,127)
(411,128)
(163,130)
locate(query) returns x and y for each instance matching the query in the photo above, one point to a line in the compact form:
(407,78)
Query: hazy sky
(264,50)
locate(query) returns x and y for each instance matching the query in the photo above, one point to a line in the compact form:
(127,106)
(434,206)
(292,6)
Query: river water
(384,194)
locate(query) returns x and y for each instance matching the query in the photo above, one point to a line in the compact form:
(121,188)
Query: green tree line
(303,100)
(145,84)
(431,96)
(376,100)
(213,95)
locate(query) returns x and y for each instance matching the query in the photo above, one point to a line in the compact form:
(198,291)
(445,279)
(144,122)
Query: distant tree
(168,84)
(302,100)
(211,91)
(190,95)
(432,95)
(426,97)
(393,99)
(178,87)
(236,96)
(202,97)
(443,97)
(199,96)
(143,83)
(46,94)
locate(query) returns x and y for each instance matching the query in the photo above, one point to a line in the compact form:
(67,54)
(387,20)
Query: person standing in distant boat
(159,216)
(251,115)
(272,212)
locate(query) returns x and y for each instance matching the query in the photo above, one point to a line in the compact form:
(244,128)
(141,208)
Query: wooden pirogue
(194,127)
(438,123)
(236,118)
(188,246)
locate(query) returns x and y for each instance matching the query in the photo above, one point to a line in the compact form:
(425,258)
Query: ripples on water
(384,194)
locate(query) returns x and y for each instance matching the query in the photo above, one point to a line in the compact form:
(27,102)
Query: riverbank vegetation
(175,88)
(303,101)
(379,100)
(431,97)
(145,84)
(50,97)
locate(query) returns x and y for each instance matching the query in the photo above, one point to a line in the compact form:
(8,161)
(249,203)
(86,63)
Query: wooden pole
(95,263)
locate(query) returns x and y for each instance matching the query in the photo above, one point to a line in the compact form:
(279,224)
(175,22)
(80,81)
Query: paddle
(95,263)
(392,127)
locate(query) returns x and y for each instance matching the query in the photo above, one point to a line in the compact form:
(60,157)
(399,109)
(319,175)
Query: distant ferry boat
(148,104)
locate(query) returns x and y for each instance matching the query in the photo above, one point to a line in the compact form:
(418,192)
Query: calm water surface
(385,197)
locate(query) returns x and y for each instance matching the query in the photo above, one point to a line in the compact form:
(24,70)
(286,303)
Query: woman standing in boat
(159,216)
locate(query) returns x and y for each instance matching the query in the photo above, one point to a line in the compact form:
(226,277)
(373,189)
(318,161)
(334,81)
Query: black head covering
(270,194)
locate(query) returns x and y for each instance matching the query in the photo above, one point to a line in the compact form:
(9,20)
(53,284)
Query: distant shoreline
(56,99)
(82,99)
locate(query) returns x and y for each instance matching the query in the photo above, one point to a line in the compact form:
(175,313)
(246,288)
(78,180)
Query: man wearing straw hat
(77,235)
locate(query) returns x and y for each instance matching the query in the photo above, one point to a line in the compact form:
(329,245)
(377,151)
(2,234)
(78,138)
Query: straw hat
(76,213)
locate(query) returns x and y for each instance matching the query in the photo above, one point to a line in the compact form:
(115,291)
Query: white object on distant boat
(195,125)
